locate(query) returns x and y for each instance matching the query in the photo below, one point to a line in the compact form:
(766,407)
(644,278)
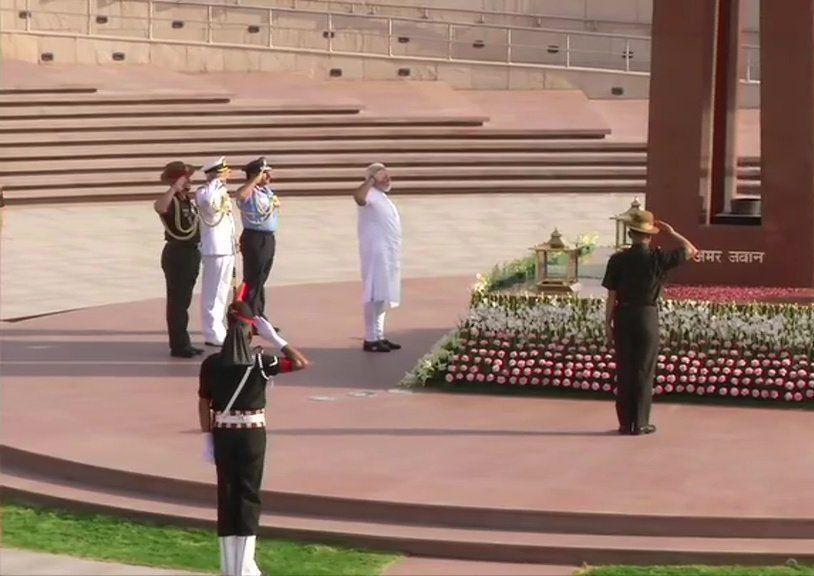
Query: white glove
(266,331)
(209,448)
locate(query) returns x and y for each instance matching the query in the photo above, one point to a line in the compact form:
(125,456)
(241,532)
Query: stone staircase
(75,144)
(441,531)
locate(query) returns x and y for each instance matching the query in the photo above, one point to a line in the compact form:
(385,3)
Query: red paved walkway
(96,386)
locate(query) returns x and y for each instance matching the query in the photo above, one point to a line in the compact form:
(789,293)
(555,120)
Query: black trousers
(181,262)
(636,334)
(258,258)
(239,456)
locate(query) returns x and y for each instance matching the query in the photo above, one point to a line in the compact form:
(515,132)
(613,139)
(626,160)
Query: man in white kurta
(379,229)
(217,250)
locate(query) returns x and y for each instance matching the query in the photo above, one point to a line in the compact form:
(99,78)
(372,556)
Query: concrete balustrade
(355,40)
(218,59)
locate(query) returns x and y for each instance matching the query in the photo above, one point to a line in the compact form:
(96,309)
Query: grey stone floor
(15,562)
(62,257)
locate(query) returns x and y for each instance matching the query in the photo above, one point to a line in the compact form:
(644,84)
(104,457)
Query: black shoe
(213,344)
(197,351)
(625,430)
(391,345)
(649,429)
(376,346)
(188,352)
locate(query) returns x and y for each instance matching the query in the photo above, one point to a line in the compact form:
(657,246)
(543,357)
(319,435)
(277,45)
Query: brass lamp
(622,239)
(556,266)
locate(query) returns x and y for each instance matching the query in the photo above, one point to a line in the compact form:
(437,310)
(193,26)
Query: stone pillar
(681,96)
(787,131)
(724,177)
(683,103)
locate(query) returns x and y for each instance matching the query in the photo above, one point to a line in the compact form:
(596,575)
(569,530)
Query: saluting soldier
(260,213)
(217,249)
(634,279)
(181,258)
(232,400)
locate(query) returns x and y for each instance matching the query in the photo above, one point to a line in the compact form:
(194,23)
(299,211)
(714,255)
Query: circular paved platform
(96,386)
(84,385)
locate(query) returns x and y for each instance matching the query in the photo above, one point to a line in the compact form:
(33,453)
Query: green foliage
(523,269)
(509,273)
(111,539)
(433,362)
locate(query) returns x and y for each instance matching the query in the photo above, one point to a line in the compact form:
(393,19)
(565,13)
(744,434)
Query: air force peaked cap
(255,166)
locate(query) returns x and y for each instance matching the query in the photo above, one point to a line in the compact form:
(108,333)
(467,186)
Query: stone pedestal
(686,97)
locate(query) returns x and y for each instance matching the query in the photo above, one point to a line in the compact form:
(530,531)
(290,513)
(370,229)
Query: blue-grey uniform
(260,213)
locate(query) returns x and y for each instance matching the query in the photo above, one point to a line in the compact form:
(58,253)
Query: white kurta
(379,229)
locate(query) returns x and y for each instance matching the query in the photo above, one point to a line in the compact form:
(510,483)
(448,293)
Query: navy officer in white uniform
(217,249)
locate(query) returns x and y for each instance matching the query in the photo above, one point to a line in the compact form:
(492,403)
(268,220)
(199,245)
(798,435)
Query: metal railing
(401,38)
(582,21)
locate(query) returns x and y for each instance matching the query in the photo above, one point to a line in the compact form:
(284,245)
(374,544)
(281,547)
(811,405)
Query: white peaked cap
(214,164)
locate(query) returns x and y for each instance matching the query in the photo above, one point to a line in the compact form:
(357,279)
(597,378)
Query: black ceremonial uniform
(180,260)
(240,447)
(637,275)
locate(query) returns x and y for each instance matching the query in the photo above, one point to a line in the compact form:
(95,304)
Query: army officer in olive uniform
(181,258)
(634,279)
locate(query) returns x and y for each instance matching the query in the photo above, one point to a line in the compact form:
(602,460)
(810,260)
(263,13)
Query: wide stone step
(341,188)
(45,89)
(747,171)
(265,134)
(124,98)
(173,110)
(172,124)
(31,175)
(350,175)
(431,539)
(279,149)
(150,166)
(50,469)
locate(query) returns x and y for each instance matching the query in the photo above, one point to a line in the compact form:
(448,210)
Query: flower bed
(739,294)
(728,350)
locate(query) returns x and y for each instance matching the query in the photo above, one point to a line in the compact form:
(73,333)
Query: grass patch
(111,539)
(698,571)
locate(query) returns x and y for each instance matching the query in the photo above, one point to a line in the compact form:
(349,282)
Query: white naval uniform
(218,255)
(379,231)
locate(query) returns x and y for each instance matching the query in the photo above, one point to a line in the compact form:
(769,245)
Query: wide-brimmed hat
(641,221)
(174,170)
